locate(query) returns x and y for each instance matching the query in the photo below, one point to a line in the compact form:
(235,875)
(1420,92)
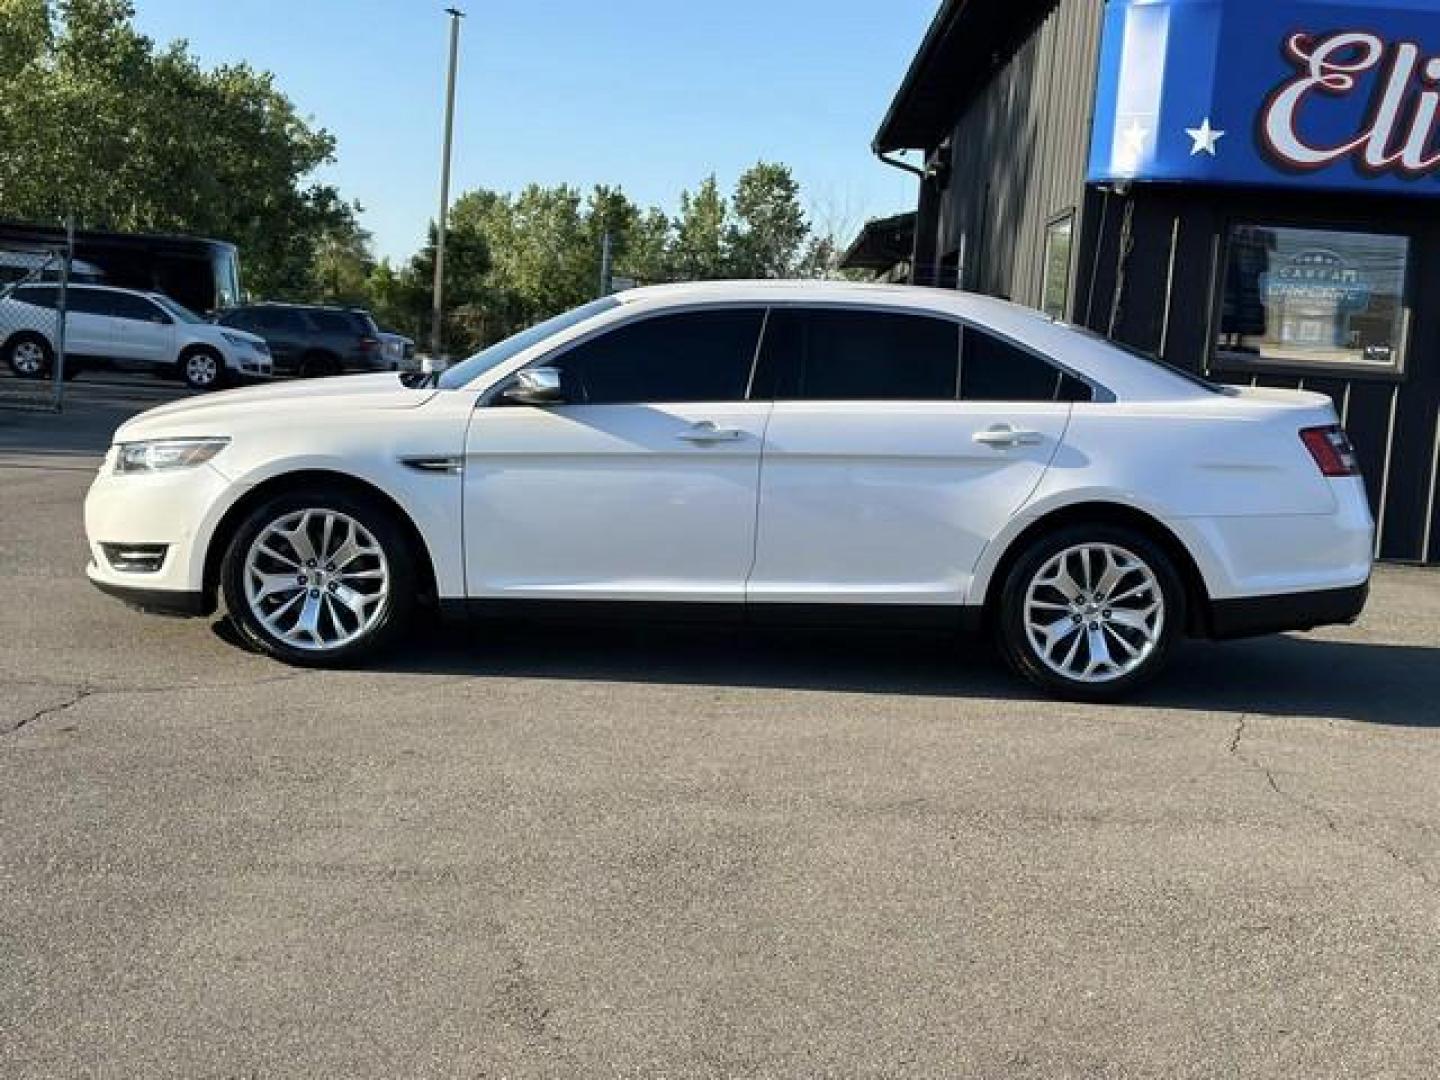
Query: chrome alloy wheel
(28,359)
(201,369)
(317,579)
(1094,613)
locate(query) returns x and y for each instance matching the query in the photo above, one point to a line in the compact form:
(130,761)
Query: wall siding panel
(1018,155)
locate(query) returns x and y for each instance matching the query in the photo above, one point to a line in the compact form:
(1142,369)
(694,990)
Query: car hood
(300,401)
(212,332)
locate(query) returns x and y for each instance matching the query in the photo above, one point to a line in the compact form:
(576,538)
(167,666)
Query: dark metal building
(1251,196)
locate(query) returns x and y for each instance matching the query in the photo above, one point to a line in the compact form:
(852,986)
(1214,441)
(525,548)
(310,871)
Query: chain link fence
(34,288)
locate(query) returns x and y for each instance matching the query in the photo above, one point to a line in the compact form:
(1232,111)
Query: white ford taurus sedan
(763,451)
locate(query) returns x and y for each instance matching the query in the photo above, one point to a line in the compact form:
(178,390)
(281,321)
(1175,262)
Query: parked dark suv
(309,340)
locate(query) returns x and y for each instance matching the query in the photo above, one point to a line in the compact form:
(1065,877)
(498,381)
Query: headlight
(238,341)
(161,454)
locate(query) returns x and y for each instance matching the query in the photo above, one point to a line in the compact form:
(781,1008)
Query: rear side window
(688,356)
(856,355)
(993,369)
(332,322)
(88,302)
(41,296)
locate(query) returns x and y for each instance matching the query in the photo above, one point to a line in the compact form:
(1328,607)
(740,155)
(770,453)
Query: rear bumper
(1253,616)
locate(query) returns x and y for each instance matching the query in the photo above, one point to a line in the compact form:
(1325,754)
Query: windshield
(180,311)
(463,374)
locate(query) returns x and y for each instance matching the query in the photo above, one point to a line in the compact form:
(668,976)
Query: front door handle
(706,432)
(1006,435)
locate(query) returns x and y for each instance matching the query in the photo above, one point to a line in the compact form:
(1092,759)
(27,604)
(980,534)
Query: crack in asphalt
(1239,732)
(1318,811)
(77,695)
(84,692)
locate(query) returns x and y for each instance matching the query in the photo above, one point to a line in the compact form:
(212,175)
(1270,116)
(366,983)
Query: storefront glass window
(1314,298)
(1059,235)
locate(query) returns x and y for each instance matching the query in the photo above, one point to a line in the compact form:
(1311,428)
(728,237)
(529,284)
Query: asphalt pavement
(522,852)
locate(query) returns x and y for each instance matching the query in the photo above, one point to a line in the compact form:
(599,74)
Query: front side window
(133,308)
(688,356)
(992,369)
(492,357)
(1326,298)
(178,311)
(277,320)
(240,320)
(838,355)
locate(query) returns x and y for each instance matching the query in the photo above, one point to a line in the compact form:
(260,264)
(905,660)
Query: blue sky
(652,95)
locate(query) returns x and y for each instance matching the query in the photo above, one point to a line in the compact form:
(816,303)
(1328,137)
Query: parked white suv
(767,451)
(131,328)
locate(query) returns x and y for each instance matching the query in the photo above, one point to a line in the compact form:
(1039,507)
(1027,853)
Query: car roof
(90,287)
(287,305)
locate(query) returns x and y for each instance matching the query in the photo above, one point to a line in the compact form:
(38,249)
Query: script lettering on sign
(1398,131)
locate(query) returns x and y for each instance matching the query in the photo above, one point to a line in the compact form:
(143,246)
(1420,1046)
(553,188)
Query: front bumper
(156,601)
(178,509)
(1253,616)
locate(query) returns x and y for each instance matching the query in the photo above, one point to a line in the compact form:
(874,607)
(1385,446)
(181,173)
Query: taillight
(1331,449)
(369,344)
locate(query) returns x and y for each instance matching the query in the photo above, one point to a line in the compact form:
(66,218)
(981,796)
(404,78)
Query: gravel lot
(654,853)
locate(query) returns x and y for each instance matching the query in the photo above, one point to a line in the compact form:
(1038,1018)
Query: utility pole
(438,308)
(606,262)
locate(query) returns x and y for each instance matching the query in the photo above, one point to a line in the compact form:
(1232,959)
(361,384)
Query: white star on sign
(1205,137)
(1133,139)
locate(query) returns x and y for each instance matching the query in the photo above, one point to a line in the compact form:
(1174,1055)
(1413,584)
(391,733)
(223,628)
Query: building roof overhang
(966,43)
(882,244)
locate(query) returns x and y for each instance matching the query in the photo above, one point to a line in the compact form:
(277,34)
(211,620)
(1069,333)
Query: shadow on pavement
(1281,676)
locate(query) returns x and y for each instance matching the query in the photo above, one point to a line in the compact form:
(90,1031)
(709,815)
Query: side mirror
(535,386)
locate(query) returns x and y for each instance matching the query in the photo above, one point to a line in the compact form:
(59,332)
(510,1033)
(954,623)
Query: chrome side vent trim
(434,463)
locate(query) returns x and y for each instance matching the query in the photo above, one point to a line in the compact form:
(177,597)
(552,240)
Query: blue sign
(1294,93)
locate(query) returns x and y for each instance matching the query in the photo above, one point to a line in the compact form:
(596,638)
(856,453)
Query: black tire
(203,370)
(390,619)
(29,355)
(1152,645)
(318,365)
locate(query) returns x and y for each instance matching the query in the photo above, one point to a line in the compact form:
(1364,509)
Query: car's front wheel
(203,369)
(1091,612)
(319,579)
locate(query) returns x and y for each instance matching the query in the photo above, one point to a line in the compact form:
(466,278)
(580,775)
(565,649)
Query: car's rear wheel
(29,356)
(319,579)
(1091,612)
(318,365)
(202,369)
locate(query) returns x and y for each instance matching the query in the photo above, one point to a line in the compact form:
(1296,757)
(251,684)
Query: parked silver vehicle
(133,329)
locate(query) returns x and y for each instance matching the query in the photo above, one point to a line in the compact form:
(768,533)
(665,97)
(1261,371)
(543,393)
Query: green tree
(342,264)
(467,269)
(766,236)
(701,248)
(98,122)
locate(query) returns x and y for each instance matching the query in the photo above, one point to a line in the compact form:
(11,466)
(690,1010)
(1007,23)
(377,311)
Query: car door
(147,332)
(89,329)
(900,444)
(641,485)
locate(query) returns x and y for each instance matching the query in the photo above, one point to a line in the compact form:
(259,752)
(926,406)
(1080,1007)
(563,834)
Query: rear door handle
(706,432)
(1005,435)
